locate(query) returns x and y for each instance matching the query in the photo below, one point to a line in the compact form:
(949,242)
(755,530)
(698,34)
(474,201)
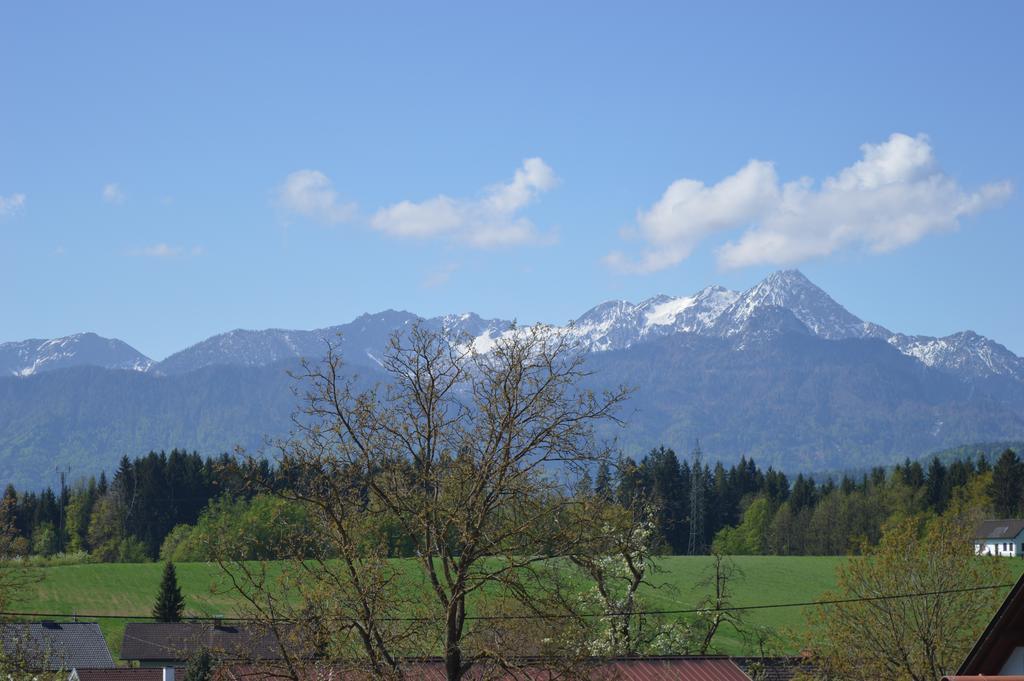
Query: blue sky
(167,173)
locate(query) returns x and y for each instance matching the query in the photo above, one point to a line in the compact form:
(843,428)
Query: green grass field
(119,589)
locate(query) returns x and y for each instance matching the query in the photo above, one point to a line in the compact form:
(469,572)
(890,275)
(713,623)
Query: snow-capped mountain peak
(791,290)
(785,302)
(29,357)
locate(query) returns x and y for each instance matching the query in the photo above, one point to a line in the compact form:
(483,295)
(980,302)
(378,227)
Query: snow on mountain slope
(364,338)
(612,325)
(618,324)
(964,352)
(25,358)
(791,290)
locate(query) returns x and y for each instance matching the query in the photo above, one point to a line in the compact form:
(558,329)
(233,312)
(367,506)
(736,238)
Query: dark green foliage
(174,505)
(169,602)
(200,666)
(1007,484)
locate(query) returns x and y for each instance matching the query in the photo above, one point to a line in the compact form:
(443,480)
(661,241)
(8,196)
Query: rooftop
(56,645)
(1006,528)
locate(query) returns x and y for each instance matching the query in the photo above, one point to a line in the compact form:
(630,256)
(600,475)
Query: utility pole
(696,543)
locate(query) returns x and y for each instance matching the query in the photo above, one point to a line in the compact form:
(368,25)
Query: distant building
(1000,538)
(173,644)
(54,646)
(128,674)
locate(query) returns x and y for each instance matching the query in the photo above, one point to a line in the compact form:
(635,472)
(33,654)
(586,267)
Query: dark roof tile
(998,529)
(56,645)
(151,641)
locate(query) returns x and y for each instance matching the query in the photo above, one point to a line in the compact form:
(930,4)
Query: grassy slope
(131,588)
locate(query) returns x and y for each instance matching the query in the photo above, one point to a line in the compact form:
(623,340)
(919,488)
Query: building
(999,652)
(173,644)
(250,653)
(1000,538)
(127,674)
(54,646)
(635,669)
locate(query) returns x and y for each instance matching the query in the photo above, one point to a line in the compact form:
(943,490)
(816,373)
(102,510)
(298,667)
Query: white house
(1000,538)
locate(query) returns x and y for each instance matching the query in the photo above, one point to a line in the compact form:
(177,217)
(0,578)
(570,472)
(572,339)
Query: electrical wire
(521,616)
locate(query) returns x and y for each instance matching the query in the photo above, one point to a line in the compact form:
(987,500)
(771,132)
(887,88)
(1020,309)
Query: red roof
(983,678)
(126,674)
(628,669)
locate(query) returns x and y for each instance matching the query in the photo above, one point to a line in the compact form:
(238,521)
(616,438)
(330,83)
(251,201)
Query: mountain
(779,393)
(964,353)
(617,324)
(792,291)
(29,357)
(781,371)
(361,341)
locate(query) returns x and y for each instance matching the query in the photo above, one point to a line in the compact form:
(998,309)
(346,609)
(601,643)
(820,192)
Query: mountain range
(780,371)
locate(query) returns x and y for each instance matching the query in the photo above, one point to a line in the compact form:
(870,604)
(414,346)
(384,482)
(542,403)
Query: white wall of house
(1010,548)
(1014,664)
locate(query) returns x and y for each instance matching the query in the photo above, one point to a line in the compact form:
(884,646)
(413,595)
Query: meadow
(130,589)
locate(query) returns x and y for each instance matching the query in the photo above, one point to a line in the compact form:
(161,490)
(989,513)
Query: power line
(518,616)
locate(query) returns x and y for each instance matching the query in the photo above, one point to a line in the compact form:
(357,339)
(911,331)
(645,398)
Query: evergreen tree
(937,490)
(169,602)
(1007,484)
(603,485)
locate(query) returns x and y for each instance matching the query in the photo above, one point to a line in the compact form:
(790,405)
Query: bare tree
(716,608)
(466,456)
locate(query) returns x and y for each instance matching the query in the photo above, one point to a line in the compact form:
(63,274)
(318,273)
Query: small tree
(169,601)
(716,608)
(617,561)
(913,637)
(200,666)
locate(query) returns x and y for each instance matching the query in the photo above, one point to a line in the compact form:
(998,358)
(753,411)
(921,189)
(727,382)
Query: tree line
(168,505)
(124,518)
(743,509)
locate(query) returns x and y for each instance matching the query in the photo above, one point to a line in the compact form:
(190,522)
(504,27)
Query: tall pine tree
(1007,484)
(169,602)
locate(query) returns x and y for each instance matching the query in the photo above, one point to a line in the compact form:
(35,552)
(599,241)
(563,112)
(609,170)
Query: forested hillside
(175,505)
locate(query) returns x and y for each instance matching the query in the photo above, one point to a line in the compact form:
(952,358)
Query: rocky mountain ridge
(613,325)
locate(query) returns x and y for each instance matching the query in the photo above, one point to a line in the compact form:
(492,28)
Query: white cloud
(309,193)
(894,196)
(112,193)
(489,221)
(163,250)
(440,276)
(9,205)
